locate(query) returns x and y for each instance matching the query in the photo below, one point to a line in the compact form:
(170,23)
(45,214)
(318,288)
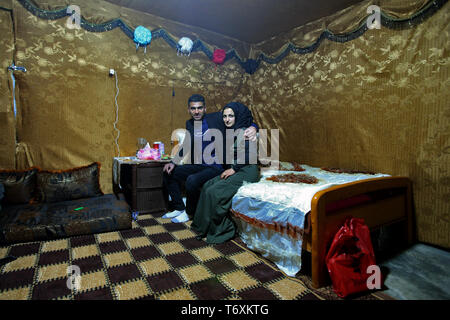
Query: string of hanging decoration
(185,46)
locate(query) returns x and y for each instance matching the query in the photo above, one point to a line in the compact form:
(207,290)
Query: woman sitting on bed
(211,219)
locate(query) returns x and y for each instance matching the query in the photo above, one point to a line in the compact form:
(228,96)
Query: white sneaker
(181,218)
(173,214)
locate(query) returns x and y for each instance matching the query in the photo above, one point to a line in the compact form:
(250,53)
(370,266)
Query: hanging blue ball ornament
(184,46)
(142,37)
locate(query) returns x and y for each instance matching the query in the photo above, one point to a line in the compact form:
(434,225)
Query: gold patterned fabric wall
(379,103)
(7,127)
(67,106)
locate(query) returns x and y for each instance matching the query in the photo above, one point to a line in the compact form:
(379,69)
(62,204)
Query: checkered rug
(156,259)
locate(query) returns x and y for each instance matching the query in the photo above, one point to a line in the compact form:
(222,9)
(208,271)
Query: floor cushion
(44,221)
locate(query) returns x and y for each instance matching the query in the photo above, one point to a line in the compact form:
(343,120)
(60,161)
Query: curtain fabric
(7,127)
(377,103)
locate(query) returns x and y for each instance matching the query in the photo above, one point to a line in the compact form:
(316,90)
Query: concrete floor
(421,272)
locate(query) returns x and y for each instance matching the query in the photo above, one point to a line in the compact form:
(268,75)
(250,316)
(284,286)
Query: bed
(299,207)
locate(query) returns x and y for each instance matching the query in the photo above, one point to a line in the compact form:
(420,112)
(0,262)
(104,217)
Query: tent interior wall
(378,102)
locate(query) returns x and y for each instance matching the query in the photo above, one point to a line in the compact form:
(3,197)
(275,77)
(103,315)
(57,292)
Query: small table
(141,181)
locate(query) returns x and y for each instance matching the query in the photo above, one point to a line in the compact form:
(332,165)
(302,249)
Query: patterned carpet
(156,259)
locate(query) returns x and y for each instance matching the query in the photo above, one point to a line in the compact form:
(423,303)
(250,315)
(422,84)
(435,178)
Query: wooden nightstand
(142,184)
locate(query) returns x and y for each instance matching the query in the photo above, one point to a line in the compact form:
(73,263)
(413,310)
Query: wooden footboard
(392,203)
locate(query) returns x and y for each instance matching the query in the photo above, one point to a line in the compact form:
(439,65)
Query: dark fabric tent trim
(249,65)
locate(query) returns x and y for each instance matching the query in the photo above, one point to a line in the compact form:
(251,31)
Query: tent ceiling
(251,21)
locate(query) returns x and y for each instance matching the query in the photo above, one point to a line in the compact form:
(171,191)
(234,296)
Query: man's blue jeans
(193,176)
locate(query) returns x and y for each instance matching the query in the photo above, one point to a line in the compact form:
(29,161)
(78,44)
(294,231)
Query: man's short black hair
(196,98)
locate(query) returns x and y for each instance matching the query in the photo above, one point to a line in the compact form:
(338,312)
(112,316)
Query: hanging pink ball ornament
(219,56)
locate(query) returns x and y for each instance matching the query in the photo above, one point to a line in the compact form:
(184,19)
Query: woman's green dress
(212,218)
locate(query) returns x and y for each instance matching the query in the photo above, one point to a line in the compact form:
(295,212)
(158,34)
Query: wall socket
(111,72)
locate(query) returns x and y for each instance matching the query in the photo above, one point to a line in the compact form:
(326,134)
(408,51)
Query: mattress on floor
(45,221)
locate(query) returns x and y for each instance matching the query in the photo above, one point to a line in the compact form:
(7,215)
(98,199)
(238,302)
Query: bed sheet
(286,205)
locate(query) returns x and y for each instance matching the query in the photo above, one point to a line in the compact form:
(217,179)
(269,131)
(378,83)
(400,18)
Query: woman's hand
(250,133)
(227,173)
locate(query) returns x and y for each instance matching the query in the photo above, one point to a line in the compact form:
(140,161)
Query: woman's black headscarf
(242,114)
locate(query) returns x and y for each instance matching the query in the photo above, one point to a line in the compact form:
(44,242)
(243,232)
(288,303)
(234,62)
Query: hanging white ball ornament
(184,46)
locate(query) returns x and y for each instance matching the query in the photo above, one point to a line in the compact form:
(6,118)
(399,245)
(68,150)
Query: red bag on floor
(350,255)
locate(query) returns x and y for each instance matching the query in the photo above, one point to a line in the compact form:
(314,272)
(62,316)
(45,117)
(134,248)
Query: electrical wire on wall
(117,112)
(13,68)
(13,79)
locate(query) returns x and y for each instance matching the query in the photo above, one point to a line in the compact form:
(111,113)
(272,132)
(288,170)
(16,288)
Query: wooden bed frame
(395,205)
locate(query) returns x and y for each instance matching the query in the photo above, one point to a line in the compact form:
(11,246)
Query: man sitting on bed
(198,172)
